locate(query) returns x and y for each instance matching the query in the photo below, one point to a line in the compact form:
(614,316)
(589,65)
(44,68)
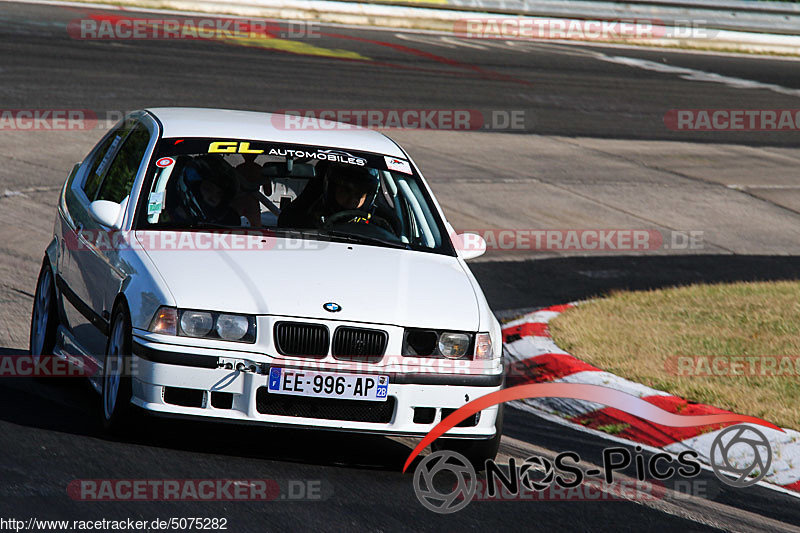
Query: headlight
(196,323)
(453,345)
(437,343)
(420,342)
(483,347)
(232,327)
(204,324)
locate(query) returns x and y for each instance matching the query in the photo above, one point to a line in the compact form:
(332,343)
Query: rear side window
(119,179)
(101,161)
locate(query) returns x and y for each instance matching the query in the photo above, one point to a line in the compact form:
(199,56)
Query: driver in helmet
(349,189)
(344,188)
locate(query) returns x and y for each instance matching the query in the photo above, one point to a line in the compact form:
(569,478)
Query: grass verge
(671,340)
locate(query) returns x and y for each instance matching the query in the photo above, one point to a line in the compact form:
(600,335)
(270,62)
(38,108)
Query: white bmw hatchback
(222,265)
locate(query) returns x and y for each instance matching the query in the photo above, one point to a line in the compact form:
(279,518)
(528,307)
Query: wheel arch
(119,301)
(51,255)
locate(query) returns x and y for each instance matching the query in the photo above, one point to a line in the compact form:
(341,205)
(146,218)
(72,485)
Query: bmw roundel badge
(332,307)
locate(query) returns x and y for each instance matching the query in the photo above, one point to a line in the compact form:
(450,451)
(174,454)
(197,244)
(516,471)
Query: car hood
(371,283)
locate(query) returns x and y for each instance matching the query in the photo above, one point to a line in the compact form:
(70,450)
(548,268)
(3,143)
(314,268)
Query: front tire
(477,452)
(44,316)
(116,410)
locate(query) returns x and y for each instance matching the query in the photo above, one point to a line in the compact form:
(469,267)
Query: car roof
(258,126)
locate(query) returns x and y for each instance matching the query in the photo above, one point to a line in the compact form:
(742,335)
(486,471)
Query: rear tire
(476,451)
(44,315)
(116,410)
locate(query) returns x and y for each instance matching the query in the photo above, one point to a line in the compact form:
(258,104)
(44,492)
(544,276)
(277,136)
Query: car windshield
(308,191)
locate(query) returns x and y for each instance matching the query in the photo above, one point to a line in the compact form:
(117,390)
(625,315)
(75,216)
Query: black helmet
(358,179)
(190,184)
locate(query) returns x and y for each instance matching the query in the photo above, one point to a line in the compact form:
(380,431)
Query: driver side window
(102,158)
(119,178)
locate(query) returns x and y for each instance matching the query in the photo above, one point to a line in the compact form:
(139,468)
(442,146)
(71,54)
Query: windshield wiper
(361,239)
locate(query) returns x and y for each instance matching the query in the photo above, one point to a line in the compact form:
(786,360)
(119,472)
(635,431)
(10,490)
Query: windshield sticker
(232,147)
(155,203)
(399,165)
(243,147)
(165,162)
(335,156)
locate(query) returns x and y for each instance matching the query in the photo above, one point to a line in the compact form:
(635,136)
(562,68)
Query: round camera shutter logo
(537,473)
(742,451)
(446,464)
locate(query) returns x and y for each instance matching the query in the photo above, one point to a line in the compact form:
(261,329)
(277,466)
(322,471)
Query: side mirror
(470,245)
(105,213)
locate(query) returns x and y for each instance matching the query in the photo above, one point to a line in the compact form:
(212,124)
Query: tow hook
(238,365)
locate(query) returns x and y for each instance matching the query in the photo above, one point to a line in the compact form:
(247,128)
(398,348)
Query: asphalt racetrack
(592,151)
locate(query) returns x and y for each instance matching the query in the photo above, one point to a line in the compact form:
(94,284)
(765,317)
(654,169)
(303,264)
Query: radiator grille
(359,344)
(300,339)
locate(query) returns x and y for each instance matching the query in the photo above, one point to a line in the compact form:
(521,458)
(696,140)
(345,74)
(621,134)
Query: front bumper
(237,392)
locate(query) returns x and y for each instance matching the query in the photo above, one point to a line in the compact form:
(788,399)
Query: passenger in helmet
(206,188)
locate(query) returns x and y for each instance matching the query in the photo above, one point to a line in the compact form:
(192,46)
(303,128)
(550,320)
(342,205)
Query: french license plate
(370,387)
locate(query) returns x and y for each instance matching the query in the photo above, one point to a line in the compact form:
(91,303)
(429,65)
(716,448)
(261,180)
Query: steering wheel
(355,213)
